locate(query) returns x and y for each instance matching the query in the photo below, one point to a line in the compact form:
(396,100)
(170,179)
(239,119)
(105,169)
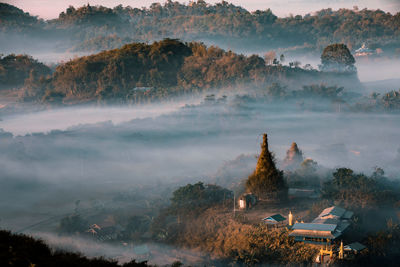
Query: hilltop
(94,28)
(140,72)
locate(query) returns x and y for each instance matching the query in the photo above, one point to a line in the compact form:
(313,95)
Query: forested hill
(94,28)
(141,72)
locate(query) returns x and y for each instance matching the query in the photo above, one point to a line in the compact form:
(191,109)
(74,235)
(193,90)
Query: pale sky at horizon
(49,9)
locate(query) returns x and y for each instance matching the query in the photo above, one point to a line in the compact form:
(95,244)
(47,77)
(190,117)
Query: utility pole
(234,206)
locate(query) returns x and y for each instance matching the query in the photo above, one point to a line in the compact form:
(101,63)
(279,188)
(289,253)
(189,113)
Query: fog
(51,159)
(63,118)
(161,255)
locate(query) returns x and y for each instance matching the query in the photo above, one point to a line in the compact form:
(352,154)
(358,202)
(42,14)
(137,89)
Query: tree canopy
(337,57)
(222,23)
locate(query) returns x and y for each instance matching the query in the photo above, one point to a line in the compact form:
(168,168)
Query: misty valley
(192,135)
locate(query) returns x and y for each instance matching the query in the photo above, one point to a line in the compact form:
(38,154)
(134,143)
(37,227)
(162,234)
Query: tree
(198,195)
(269,57)
(266,178)
(337,57)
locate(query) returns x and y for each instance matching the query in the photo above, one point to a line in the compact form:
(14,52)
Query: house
(328,226)
(364,51)
(274,219)
(354,247)
(246,201)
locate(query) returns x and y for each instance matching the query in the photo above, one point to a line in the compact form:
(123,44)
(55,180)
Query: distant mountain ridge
(224,24)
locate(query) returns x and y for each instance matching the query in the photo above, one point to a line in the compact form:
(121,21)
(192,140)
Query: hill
(140,72)
(224,24)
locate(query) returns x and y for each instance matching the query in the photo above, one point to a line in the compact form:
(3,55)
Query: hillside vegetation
(141,72)
(223,23)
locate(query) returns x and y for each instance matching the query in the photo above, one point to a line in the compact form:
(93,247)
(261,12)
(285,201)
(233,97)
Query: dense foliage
(13,19)
(194,196)
(223,236)
(337,57)
(22,250)
(15,69)
(388,102)
(224,23)
(358,190)
(141,72)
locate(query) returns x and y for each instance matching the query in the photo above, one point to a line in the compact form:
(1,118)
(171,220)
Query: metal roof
(314,226)
(347,215)
(326,221)
(335,211)
(275,218)
(312,235)
(355,246)
(342,226)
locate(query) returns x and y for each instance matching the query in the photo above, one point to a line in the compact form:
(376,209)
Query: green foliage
(266,177)
(337,57)
(357,190)
(15,69)
(116,73)
(222,23)
(388,102)
(197,195)
(138,73)
(318,90)
(13,19)
(137,225)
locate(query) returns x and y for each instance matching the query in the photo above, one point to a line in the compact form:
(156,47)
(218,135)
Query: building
(354,248)
(364,51)
(246,201)
(328,226)
(274,219)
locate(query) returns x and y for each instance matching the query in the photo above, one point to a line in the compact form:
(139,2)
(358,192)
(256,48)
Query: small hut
(275,219)
(247,201)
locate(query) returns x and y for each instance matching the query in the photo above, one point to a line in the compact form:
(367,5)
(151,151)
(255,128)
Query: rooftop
(275,218)
(355,247)
(330,223)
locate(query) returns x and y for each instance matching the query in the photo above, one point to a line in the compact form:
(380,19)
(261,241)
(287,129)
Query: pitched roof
(355,246)
(330,224)
(314,226)
(335,211)
(347,215)
(300,235)
(275,218)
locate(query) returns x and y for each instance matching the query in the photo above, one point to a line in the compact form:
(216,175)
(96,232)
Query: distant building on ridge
(364,51)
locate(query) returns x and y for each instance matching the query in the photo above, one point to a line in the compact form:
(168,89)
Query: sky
(49,9)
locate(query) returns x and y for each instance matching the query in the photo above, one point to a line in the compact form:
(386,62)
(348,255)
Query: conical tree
(266,178)
(294,157)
